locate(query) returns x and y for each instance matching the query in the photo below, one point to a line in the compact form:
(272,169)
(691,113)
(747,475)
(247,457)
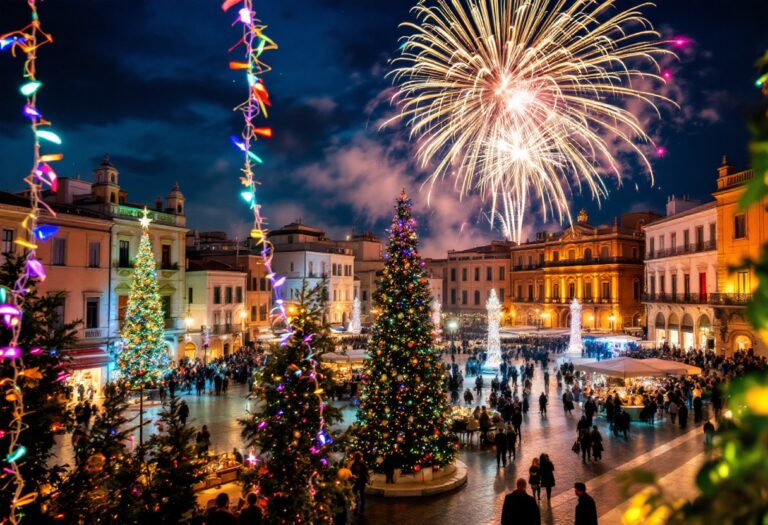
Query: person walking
(672,409)
(468,397)
(586,510)
(597,444)
(543,404)
(360,472)
(585,442)
(534,478)
(547,470)
(511,442)
(517,422)
(183,412)
(500,440)
(203,441)
(519,508)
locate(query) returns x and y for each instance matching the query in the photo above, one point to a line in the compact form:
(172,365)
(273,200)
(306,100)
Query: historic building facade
(601,266)
(470,275)
(681,274)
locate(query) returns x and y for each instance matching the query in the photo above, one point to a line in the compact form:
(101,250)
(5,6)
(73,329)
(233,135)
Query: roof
(198,265)
(691,211)
(494,247)
(297,227)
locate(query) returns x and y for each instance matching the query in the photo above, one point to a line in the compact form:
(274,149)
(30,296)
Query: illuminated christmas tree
(144,359)
(290,425)
(403,405)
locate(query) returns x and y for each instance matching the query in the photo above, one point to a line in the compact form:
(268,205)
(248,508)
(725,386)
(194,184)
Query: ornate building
(470,275)
(601,266)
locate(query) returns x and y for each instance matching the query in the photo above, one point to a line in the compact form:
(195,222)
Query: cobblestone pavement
(671,452)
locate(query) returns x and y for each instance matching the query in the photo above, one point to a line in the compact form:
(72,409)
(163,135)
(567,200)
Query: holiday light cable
(27,40)
(254,106)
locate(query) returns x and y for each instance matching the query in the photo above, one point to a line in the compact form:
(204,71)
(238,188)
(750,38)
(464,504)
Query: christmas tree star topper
(145,220)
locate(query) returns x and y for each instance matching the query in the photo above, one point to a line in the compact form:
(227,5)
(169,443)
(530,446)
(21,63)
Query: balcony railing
(697,247)
(523,267)
(93,333)
(717,299)
(593,261)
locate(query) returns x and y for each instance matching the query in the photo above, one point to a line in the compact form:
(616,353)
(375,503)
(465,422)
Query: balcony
(94,333)
(716,299)
(524,267)
(593,261)
(698,247)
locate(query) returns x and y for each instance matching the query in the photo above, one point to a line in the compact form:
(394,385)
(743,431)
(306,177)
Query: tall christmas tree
(403,405)
(294,472)
(143,359)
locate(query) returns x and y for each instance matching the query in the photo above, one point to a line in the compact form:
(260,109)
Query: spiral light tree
(493,308)
(521,100)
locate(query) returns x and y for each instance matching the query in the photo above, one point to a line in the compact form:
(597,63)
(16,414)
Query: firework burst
(523,99)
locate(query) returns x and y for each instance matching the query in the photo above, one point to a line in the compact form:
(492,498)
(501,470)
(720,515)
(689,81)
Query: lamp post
(612,318)
(453,325)
(592,320)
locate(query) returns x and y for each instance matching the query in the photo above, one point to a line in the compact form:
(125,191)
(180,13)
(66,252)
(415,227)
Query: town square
(384,263)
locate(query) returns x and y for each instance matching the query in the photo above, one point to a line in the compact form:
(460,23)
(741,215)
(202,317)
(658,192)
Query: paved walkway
(674,454)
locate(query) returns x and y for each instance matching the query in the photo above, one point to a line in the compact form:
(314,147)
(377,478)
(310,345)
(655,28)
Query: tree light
(30,88)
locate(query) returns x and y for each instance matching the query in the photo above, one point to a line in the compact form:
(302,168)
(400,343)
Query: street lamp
(243,315)
(592,320)
(453,325)
(544,316)
(188,323)
(612,318)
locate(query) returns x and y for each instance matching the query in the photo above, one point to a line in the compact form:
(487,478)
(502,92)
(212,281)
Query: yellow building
(741,235)
(601,266)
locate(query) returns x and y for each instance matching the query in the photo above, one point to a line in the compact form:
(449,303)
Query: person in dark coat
(697,409)
(597,444)
(586,510)
(360,472)
(251,513)
(511,442)
(547,471)
(183,412)
(517,422)
(500,440)
(520,508)
(682,415)
(220,514)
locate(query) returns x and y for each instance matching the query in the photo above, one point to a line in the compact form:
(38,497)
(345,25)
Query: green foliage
(174,469)
(44,396)
(403,406)
(105,485)
(294,472)
(144,358)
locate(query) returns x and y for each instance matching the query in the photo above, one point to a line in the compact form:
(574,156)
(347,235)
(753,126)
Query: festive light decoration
(526,97)
(27,41)
(254,43)
(437,315)
(354,323)
(403,405)
(144,359)
(575,346)
(493,346)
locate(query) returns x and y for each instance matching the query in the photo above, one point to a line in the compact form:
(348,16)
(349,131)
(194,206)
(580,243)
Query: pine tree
(144,359)
(403,406)
(293,472)
(105,485)
(44,392)
(174,470)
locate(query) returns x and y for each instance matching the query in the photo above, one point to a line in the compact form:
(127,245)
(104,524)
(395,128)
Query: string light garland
(41,177)
(254,43)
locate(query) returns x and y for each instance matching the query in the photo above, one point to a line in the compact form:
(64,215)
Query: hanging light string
(255,42)
(40,178)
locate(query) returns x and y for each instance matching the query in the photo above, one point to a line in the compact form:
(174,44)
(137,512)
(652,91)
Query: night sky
(147,81)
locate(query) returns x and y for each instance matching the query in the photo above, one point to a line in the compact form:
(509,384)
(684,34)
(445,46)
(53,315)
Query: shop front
(89,369)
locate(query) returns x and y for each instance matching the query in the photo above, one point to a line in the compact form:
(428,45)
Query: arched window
(178,209)
(112,198)
(588,254)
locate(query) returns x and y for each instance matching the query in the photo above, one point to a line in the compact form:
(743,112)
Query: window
(588,254)
(463,297)
(555,256)
(530,261)
(501,273)
(556,291)
(686,239)
(740,226)
(263,312)
(311,268)
(541,259)
(228,295)
(530,292)
(453,295)
(291,266)
(662,287)
(571,255)
(489,273)
(453,274)
(699,237)
(94,254)
(122,308)
(323,269)
(712,234)
(8,241)
(239,294)
(228,319)
(365,295)
(606,290)
(477,274)
(217,295)
(605,253)
(673,240)
(634,252)
(57,321)
(687,284)
(742,282)
(463,274)
(254,317)
(92,312)
(541,292)
(124,254)
(652,285)
(651,246)
(674,285)
(477,297)
(661,242)
(165,260)
(571,290)
(191,295)
(59,255)
(588,290)
(501,295)
(334,295)
(519,292)
(166,306)
(635,290)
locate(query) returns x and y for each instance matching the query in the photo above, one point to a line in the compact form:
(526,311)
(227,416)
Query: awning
(628,367)
(83,358)
(674,367)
